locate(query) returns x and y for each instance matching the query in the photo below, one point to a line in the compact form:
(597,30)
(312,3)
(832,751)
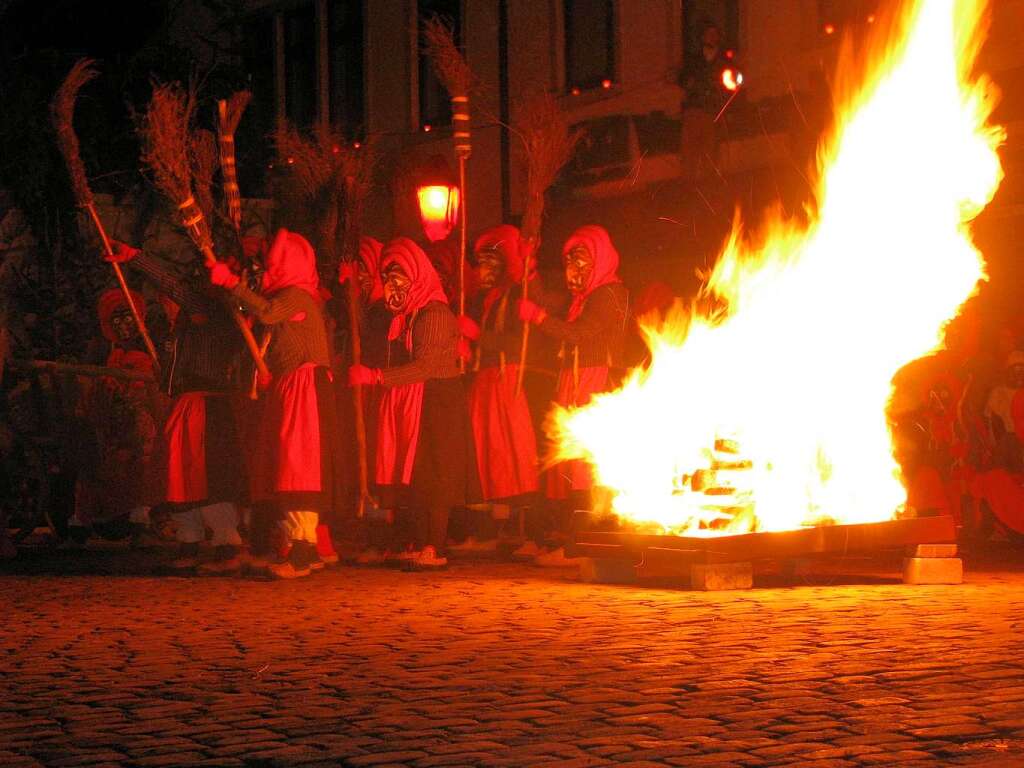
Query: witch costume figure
(206,478)
(423,446)
(506,447)
(126,418)
(298,461)
(592,336)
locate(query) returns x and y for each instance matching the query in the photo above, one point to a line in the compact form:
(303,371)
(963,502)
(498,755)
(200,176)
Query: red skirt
(574,475)
(506,448)
(201,428)
(398,433)
(299,456)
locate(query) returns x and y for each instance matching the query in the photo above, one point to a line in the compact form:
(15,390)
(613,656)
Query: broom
(544,130)
(62,110)
(229,114)
(454,72)
(357,172)
(166,143)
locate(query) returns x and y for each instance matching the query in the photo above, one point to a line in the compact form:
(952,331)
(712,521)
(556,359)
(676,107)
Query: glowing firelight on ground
(769,413)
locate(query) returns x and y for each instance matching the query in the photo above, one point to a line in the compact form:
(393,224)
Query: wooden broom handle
(109,251)
(250,340)
(357,395)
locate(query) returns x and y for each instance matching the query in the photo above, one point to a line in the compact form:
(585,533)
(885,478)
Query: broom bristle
(205,158)
(62,111)
(448,62)
(312,162)
(544,128)
(165,140)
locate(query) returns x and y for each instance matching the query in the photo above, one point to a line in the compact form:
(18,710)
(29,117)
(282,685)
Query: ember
(814,317)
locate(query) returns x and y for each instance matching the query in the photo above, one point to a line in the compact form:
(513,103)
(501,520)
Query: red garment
(401,408)
(1004,493)
(369,253)
(506,448)
(575,475)
(606,262)
(291,262)
(185,435)
(290,436)
(927,491)
(1017,412)
(111,301)
(398,432)
(506,240)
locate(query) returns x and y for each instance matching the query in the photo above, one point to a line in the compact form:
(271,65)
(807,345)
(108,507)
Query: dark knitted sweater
(296,324)
(435,337)
(598,333)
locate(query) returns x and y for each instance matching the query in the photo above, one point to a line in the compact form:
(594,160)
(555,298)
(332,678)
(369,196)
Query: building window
(300,66)
(589,43)
(254,151)
(699,16)
(345,45)
(434,101)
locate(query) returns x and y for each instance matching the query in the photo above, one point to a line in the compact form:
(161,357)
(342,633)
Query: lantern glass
(439,210)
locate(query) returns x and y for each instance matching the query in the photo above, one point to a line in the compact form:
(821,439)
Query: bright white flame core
(821,315)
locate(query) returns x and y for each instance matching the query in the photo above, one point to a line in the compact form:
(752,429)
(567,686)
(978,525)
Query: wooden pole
(462,245)
(109,251)
(525,342)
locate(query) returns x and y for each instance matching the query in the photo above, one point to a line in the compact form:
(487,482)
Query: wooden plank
(826,539)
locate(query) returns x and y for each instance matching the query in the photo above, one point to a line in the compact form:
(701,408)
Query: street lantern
(438,196)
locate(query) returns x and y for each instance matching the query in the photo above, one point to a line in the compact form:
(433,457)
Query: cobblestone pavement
(503,664)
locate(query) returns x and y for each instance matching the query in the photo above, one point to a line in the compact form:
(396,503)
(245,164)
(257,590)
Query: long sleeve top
(597,335)
(298,330)
(206,348)
(435,336)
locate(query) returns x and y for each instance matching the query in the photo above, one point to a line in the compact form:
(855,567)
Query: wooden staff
(166,142)
(357,169)
(544,129)
(453,70)
(62,110)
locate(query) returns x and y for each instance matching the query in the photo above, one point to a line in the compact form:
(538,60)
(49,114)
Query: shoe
(370,556)
(317,565)
(186,563)
(428,558)
(402,557)
(556,558)
(285,570)
(529,550)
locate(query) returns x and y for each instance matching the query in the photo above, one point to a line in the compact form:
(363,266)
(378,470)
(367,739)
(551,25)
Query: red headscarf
(505,239)
(290,262)
(369,253)
(425,287)
(606,262)
(110,302)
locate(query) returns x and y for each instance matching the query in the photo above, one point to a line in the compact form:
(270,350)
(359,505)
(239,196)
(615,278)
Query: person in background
(506,447)
(299,445)
(591,336)
(206,478)
(423,444)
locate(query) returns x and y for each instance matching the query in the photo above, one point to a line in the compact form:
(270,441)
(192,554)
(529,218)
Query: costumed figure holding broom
(129,417)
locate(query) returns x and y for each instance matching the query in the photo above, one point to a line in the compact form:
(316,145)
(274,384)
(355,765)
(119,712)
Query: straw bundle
(446,58)
(229,114)
(166,142)
(204,159)
(315,165)
(62,110)
(544,129)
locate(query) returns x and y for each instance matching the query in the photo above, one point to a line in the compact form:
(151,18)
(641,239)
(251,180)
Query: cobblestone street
(504,664)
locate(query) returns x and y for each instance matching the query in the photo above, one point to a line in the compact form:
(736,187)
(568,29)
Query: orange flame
(769,413)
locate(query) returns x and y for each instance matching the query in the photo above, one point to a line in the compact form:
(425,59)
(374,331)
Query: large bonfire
(769,413)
